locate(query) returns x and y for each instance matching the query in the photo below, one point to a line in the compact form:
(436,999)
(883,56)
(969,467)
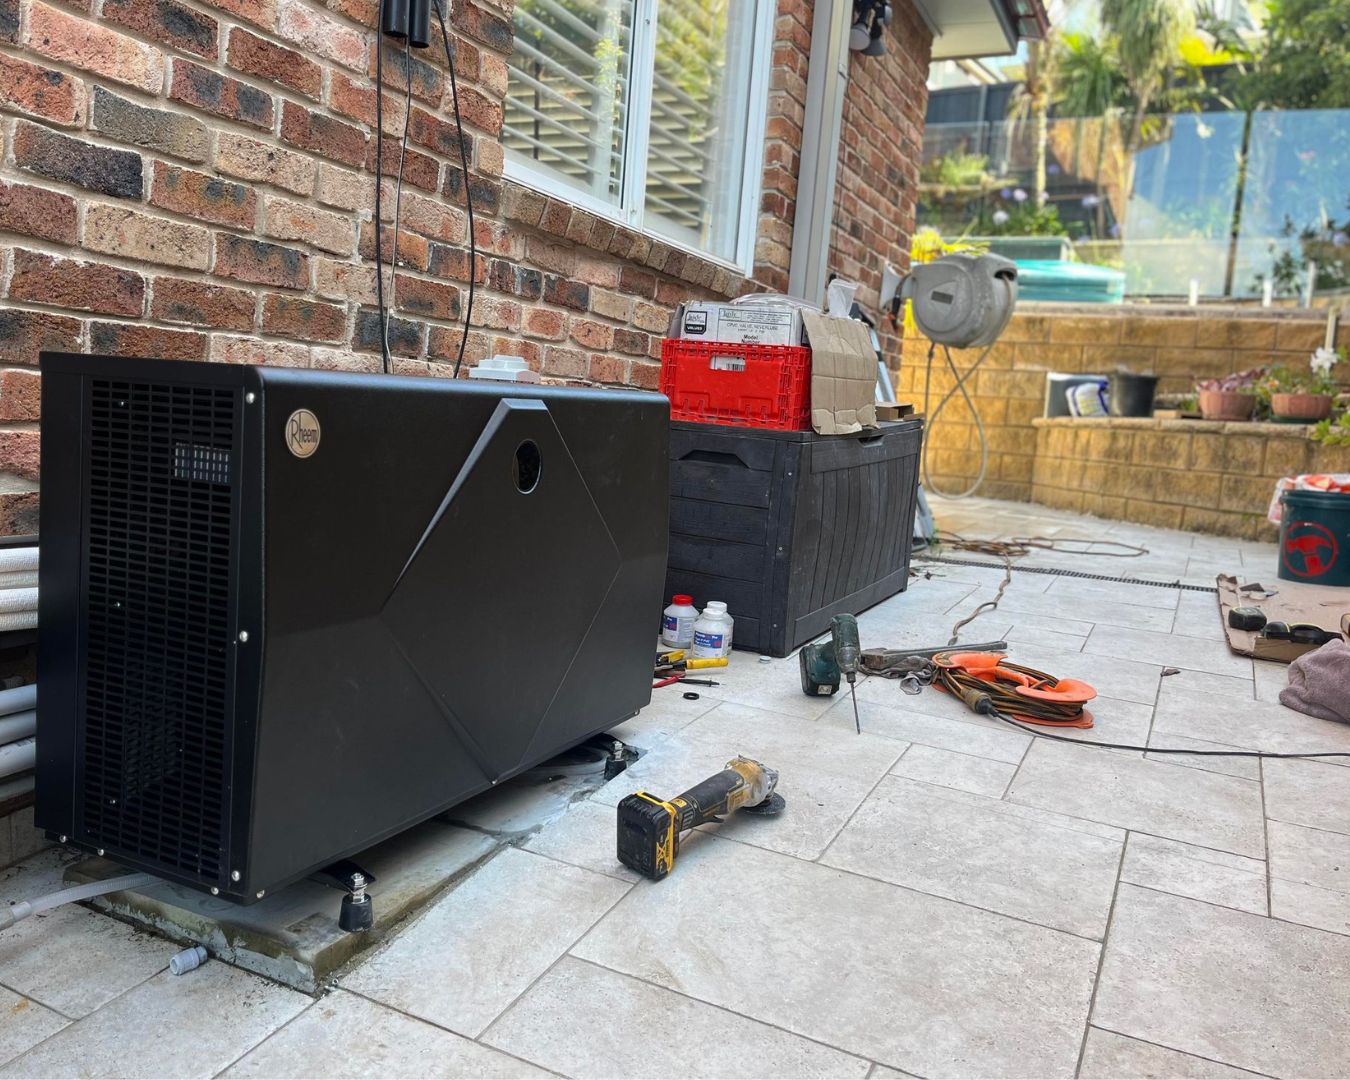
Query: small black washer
(690,696)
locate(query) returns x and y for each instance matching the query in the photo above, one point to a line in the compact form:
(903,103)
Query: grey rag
(1319,683)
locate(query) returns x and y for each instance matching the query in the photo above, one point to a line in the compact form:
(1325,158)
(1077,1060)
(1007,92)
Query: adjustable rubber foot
(356,914)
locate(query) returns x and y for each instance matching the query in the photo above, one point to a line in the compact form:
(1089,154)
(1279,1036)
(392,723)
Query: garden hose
(931,419)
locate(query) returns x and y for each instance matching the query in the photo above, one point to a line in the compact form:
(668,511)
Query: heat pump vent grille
(156,644)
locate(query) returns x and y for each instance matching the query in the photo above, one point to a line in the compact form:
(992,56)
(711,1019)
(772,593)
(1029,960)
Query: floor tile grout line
(116,997)
(861,803)
(36,1001)
(483,1031)
(275,1031)
(732,1012)
(442,1027)
(1175,1050)
(1265,836)
(1101,959)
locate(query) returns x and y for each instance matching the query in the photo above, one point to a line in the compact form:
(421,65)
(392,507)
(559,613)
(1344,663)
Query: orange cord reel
(1029,695)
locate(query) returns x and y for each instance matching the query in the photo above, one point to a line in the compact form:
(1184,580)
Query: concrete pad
(947,768)
(584,1020)
(293,936)
(24,1023)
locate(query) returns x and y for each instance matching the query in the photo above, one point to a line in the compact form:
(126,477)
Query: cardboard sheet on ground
(843,374)
(1326,606)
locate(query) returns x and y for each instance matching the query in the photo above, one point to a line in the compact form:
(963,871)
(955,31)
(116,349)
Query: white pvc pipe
(19,620)
(18,558)
(19,699)
(18,757)
(17,726)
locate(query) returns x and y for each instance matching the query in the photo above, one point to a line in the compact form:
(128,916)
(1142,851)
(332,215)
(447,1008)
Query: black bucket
(1131,395)
(1315,538)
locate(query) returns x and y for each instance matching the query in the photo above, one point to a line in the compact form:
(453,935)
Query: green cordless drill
(828,663)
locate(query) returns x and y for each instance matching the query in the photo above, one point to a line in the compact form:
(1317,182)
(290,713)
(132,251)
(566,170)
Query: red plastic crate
(718,382)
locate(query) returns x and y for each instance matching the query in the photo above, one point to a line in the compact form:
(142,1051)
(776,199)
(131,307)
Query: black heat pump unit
(286,614)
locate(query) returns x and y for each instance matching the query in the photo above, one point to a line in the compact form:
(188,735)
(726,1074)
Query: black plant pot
(1131,395)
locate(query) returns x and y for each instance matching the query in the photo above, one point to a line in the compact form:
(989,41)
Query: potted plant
(1231,398)
(1298,397)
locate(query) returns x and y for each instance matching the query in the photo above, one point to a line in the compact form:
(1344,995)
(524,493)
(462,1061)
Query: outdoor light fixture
(870,18)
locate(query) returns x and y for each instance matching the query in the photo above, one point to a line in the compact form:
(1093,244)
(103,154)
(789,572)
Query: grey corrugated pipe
(22,909)
(18,757)
(16,726)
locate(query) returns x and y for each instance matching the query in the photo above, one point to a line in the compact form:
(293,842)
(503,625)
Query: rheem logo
(302,433)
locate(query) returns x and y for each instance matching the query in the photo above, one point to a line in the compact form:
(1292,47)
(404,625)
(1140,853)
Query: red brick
(71,283)
(571,294)
(608,369)
(508,277)
(47,153)
(432,218)
(323,229)
(9,21)
(196,303)
(632,342)
(24,334)
(427,299)
(405,335)
(136,339)
(428,84)
(637,282)
(168,131)
(357,100)
(496,314)
(206,198)
(262,13)
(20,396)
(259,57)
(222,96)
(317,32)
(129,234)
(543,323)
(434,133)
(19,514)
(33,211)
(254,350)
(167,22)
(479,111)
(412,249)
(37,91)
(20,454)
(83,43)
(344,189)
(305,320)
(321,134)
(492,30)
(645,376)
(419,170)
(591,334)
(453,262)
(261,263)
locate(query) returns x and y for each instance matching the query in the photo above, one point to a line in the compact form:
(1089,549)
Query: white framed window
(648,112)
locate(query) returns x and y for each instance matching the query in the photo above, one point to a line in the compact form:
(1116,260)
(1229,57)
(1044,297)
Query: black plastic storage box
(790,527)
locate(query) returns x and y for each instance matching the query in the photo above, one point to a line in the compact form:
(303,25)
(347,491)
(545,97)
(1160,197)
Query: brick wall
(1180,474)
(194,178)
(1181,345)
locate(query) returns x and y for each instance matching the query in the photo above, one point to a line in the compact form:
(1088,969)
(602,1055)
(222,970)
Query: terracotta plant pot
(1226,405)
(1301,406)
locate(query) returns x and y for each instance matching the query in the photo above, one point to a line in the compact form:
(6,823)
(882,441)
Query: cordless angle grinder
(650,828)
(827,663)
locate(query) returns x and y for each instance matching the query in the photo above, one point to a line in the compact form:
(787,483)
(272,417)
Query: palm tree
(1148,36)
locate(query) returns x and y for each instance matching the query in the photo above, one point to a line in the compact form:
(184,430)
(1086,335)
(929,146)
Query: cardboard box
(893,410)
(741,324)
(1326,606)
(843,374)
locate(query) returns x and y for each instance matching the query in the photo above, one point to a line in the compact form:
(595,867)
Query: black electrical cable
(379,183)
(468,194)
(1157,749)
(398,195)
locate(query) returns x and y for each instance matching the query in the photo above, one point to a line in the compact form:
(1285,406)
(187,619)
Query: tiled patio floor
(945,896)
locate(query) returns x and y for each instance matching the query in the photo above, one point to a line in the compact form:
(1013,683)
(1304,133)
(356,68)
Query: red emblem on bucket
(1309,549)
